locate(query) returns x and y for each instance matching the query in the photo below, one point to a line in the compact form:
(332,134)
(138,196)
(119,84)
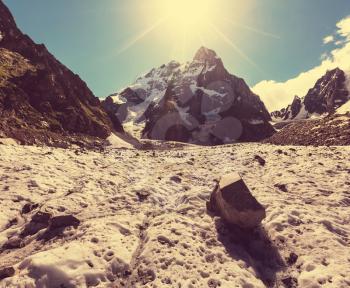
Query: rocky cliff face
(39,97)
(328,94)
(196,102)
(290,112)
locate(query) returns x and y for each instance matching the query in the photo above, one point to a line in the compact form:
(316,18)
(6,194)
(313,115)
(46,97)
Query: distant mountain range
(198,102)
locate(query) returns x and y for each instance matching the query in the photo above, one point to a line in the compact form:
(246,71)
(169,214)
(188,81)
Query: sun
(184,25)
(191,15)
(186,16)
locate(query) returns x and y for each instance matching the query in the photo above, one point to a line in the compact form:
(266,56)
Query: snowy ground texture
(143,220)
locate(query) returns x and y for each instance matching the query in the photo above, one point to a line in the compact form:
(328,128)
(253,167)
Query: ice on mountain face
(1,36)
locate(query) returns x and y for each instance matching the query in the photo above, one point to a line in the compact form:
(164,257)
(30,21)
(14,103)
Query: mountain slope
(40,99)
(196,102)
(330,130)
(328,94)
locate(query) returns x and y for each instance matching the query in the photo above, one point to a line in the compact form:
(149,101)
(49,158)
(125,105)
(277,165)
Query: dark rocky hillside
(42,101)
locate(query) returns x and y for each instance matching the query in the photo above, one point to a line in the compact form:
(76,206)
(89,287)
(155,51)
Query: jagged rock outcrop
(328,94)
(325,102)
(290,112)
(40,99)
(197,102)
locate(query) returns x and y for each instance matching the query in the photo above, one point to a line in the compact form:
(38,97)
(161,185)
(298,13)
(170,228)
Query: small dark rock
(142,195)
(165,241)
(260,160)
(29,207)
(13,243)
(213,283)
(290,282)
(176,179)
(64,221)
(146,276)
(41,217)
(292,259)
(6,272)
(11,223)
(282,187)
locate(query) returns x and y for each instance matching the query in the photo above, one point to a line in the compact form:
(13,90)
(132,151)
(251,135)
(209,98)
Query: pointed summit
(204,54)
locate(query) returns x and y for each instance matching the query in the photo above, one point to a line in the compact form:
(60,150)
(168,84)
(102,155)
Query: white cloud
(344,28)
(277,95)
(328,39)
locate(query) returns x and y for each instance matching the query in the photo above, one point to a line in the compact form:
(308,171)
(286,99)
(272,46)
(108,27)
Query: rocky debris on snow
(6,272)
(333,130)
(233,201)
(42,220)
(39,221)
(13,243)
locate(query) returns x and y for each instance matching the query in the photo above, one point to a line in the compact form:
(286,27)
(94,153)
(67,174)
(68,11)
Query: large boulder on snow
(233,201)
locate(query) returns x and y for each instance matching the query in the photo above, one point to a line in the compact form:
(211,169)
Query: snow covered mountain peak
(205,55)
(198,102)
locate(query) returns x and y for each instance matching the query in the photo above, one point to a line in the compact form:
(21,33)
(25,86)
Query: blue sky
(89,37)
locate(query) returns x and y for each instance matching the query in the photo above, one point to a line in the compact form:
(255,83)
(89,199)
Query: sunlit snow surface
(168,240)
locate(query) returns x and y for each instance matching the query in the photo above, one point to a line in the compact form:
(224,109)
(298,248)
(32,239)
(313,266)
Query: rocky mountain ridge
(328,95)
(197,102)
(41,100)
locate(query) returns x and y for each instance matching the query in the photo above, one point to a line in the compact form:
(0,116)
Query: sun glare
(185,25)
(188,15)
